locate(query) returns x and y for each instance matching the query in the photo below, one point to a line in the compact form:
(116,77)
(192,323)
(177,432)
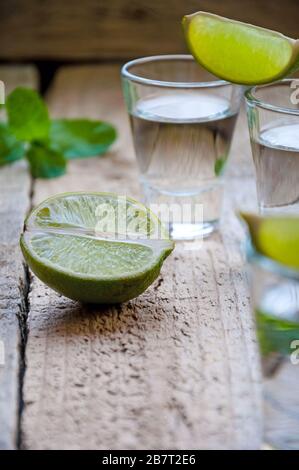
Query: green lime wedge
(275,237)
(95,247)
(240,52)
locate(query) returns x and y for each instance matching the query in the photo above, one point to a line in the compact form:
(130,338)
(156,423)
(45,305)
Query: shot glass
(275,300)
(182,120)
(273,120)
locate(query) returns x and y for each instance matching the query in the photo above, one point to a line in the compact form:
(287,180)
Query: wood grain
(97,29)
(14,202)
(175,368)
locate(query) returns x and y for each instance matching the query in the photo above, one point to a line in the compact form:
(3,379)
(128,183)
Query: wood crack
(22,315)
(23,326)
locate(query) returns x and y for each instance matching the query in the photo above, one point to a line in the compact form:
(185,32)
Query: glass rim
(254,257)
(163,83)
(251,99)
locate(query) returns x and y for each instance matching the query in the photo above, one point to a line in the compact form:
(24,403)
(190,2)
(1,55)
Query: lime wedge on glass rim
(95,247)
(240,52)
(275,237)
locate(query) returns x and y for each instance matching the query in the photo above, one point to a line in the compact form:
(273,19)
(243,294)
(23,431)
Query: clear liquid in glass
(182,142)
(276,157)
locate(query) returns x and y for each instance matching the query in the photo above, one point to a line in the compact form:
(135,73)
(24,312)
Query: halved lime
(95,247)
(240,52)
(275,237)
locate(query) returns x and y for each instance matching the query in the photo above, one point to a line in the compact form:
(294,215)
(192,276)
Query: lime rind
(276,237)
(98,290)
(239,52)
(64,249)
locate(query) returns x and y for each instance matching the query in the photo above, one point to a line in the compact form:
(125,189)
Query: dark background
(51,32)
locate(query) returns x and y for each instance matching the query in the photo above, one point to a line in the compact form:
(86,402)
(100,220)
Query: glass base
(181,231)
(189,211)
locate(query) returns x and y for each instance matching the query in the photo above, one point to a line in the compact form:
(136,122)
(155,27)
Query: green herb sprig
(47,143)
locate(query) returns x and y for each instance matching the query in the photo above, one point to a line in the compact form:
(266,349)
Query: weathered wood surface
(174,368)
(14,203)
(95,29)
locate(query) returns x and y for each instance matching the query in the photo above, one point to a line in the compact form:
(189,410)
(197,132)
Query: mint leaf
(28,116)
(45,162)
(10,149)
(219,165)
(49,143)
(77,138)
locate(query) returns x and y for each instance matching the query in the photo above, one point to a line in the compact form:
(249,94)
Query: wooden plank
(241,162)
(175,368)
(96,29)
(14,202)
